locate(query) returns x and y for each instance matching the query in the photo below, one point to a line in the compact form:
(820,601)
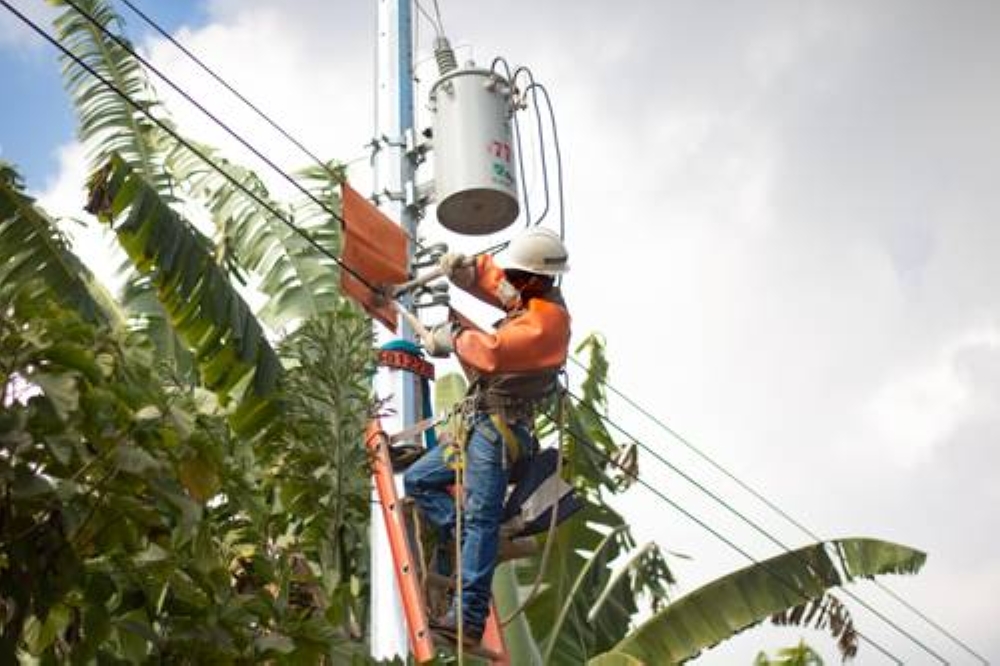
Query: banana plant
(791,587)
(251,243)
(33,248)
(232,353)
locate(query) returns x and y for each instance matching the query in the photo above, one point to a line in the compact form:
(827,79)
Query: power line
(246,144)
(270,163)
(774,507)
(751,523)
(437,12)
(205,68)
(324,165)
(582,438)
(187,144)
(438,30)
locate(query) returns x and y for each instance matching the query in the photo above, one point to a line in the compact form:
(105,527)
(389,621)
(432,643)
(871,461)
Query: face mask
(508,295)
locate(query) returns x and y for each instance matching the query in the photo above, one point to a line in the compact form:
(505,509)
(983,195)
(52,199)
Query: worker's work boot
(447,625)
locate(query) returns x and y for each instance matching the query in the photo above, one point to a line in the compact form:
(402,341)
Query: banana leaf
(232,354)
(742,599)
(32,249)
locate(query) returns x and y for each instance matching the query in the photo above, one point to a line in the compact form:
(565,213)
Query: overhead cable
(583,439)
(775,508)
(205,68)
(142,108)
(749,522)
(437,12)
(430,19)
(225,127)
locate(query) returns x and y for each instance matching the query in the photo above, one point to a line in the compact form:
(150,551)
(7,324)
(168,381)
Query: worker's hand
(459,268)
(439,341)
(508,295)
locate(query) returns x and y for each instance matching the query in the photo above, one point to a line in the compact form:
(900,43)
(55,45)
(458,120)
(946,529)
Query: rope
(459,508)
(418,536)
(553,521)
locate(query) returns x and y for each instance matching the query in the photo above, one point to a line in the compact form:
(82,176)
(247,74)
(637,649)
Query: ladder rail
(418,629)
(493,646)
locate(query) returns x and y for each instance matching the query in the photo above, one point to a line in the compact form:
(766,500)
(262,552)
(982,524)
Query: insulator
(444,55)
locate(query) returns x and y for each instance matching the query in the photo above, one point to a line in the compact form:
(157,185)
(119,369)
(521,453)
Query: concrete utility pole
(394,183)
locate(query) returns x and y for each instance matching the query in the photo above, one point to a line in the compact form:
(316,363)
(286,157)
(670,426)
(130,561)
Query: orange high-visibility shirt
(536,337)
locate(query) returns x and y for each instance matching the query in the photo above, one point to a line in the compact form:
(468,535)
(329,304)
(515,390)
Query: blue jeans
(427,482)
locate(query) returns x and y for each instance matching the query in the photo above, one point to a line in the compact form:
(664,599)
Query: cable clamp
(393,142)
(416,148)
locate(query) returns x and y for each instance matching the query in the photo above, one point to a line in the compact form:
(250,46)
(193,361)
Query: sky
(783,217)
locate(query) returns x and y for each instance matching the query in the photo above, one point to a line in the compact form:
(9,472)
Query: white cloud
(15,34)
(309,73)
(920,409)
(63,197)
(782,216)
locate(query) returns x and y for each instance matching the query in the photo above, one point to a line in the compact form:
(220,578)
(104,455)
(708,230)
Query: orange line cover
(375,248)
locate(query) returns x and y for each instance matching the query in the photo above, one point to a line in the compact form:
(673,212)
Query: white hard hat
(537,250)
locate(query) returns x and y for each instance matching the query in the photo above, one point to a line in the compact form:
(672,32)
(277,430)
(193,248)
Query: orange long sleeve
(535,339)
(487,281)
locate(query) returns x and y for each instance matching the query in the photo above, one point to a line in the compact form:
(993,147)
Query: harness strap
(510,440)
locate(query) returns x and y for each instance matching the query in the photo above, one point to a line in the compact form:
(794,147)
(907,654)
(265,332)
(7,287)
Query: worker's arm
(536,340)
(486,281)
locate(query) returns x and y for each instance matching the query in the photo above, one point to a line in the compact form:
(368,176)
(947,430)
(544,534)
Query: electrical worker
(510,372)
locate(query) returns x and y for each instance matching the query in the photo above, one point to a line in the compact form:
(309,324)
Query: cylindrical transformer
(474,172)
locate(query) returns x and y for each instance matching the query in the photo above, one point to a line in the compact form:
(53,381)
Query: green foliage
(108,123)
(298,280)
(826,612)
(134,528)
(143,519)
(797,655)
(746,597)
(206,311)
(587,602)
(33,249)
(317,470)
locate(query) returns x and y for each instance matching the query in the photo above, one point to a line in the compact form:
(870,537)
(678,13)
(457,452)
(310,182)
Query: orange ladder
(411,591)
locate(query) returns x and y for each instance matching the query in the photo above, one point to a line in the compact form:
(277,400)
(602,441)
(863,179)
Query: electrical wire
(295,183)
(218,79)
(142,108)
(748,521)
(225,127)
(774,507)
(582,438)
(525,94)
(437,11)
(430,19)
(525,196)
(559,165)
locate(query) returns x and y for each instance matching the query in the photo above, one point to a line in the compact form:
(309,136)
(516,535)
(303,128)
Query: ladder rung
(468,648)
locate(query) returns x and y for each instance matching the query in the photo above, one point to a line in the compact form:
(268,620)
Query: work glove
(508,295)
(439,340)
(459,268)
